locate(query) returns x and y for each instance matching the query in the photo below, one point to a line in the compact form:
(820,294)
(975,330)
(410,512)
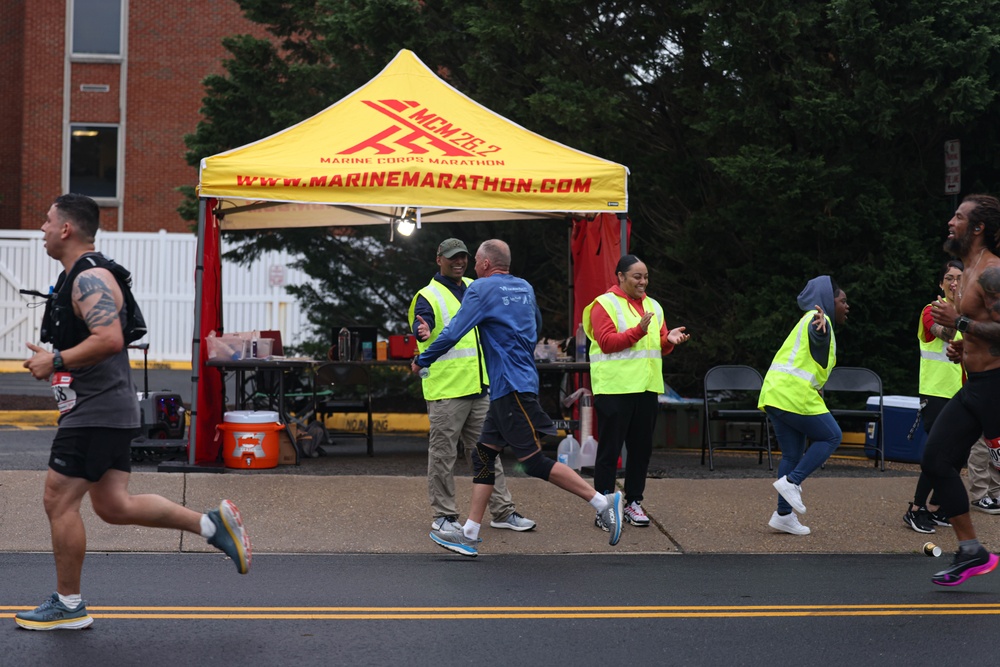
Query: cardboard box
(402,347)
(286,450)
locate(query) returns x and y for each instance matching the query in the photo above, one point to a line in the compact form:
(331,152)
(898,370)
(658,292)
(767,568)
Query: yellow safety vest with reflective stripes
(938,375)
(461,371)
(637,369)
(794,380)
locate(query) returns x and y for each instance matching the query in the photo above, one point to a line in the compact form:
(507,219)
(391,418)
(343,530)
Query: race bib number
(62,391)
(994,445)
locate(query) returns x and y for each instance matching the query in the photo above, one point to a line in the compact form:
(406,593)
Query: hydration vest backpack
(62,328)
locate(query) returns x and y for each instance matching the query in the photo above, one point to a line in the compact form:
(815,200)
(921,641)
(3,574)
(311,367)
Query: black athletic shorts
(90,452)
(517,421)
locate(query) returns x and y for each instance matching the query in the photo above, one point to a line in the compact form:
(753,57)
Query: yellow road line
(483,613)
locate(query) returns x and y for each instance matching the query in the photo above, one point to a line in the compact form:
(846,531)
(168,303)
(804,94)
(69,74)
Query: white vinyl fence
(162,267)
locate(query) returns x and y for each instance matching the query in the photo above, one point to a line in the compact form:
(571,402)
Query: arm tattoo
(942,332)
(103,313)
(989,280)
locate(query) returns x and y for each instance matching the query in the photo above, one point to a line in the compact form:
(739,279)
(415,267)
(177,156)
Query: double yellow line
(460,613)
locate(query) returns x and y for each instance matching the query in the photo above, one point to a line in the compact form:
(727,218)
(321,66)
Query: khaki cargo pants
(451,420)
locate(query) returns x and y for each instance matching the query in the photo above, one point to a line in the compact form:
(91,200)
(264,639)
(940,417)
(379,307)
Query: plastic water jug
(588,452)
(568,452)
(344,344)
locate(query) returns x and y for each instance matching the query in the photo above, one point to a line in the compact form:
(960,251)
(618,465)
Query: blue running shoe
(54,615)
(455,540)
(610,520)
(514,522)
(231,537)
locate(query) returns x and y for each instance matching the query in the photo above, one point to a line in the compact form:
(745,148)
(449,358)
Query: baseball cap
(451,247)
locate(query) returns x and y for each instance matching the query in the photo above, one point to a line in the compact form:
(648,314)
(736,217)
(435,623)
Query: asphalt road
(155,610)
(176,381)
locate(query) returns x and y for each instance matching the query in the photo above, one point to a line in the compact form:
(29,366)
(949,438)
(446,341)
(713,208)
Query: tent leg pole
(571,310)
(199,271)
(623,222)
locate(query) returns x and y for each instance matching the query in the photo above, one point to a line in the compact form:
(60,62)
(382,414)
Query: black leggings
(628,419)
(972,413)
(932,408)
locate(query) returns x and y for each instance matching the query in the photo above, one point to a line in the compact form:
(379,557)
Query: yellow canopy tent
(405,141)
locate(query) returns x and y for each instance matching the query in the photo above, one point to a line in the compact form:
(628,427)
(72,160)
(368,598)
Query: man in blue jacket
(503,308)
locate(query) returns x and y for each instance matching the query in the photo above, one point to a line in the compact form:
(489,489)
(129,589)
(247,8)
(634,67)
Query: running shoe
(231,537)
(54,615)
(610,520)
(965,566)
(455,540)
(987,504)
(446,523)
(939,518)
(514,522)
(789,523)
(634,515)
(792,493)
(919,519)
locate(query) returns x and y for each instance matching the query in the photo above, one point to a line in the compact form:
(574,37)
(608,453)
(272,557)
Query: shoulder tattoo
(100,313)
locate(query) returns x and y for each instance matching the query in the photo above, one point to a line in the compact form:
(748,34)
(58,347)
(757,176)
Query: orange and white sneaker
(231,536)
(634,515)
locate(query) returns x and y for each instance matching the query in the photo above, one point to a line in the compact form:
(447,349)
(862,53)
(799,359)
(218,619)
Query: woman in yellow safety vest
(792,400)
(940,379)
(628,338)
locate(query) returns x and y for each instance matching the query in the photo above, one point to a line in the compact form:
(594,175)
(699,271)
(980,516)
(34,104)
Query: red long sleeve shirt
(606,330)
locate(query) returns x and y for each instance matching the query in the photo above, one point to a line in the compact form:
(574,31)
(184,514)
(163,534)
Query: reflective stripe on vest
(793,381)
(456,373)
(636,369)
(939,376)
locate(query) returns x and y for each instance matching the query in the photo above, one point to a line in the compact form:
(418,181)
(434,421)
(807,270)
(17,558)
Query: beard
(958,246)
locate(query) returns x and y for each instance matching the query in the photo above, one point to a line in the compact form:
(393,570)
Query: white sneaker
(446,524)
(634,515)
(792,493)
(788,524)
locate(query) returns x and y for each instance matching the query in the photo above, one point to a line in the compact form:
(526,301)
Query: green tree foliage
(768,142)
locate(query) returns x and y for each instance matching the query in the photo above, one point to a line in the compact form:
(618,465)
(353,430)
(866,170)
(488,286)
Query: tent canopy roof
(406,139)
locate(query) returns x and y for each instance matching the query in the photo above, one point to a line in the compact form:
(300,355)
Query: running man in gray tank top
(99,414)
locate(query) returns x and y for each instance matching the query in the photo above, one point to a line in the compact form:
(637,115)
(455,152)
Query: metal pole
(199,271)
(623,222)
(572,286)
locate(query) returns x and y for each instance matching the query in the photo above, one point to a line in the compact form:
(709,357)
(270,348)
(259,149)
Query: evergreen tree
(768,142)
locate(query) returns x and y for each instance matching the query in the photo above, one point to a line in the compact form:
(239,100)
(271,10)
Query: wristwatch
(57,362)
(962,323)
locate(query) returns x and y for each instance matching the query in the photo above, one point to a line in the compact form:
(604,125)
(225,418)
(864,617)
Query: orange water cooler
(250,439)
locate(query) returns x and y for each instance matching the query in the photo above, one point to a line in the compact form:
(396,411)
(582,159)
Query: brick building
(96,97)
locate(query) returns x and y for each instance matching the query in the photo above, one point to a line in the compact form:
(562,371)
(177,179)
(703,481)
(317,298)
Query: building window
(97,27)
(93,160)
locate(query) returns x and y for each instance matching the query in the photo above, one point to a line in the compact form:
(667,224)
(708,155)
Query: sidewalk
(317,507)
(301,513)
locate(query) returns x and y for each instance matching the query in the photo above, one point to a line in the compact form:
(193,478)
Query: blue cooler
(899,413)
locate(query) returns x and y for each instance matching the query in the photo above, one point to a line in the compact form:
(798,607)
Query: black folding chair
(735,384)
(351,381)
(866,381)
